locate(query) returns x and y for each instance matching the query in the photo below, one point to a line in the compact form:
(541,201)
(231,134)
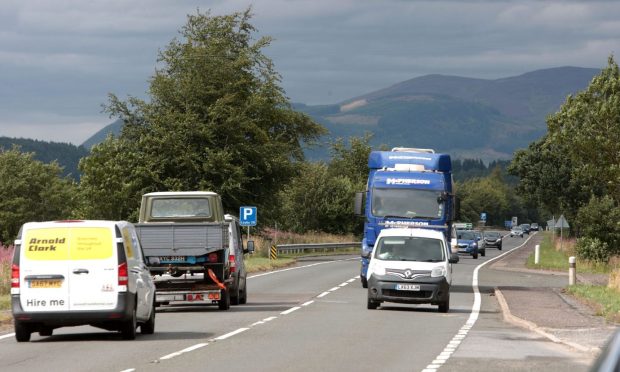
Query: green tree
(31,191)
(489,194)
(318,201)
(217,120)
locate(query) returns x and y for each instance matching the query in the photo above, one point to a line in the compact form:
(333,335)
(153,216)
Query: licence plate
(407,287)
(172,258)
(55,283)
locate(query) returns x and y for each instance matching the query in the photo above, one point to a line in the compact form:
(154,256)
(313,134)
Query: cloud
(61,58)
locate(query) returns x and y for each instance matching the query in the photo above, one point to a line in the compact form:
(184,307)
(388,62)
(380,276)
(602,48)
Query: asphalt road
(312,317)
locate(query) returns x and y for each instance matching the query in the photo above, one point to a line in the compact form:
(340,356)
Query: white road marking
(290,310)
(307,303)
(322,294)
(230,334)
(334,289)
(300,267)
(186,350)
(7,335)
(473,316)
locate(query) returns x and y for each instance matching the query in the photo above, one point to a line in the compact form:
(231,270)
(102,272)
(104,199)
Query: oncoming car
(516,231)
(410,266)
(467,242)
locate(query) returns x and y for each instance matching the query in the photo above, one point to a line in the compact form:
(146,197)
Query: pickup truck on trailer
(193,250)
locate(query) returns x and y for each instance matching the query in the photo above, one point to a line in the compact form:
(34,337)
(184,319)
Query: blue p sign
(247,216)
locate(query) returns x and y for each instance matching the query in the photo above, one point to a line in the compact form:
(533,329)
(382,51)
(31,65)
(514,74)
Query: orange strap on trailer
(214,278)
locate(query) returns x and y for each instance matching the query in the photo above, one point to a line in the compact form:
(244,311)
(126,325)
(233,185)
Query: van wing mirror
(249,247)
(358,205)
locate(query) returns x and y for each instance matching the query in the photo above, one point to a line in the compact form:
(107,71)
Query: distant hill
(67,155)
(114,129)
(469,118)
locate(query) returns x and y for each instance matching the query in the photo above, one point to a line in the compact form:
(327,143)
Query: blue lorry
(406,187)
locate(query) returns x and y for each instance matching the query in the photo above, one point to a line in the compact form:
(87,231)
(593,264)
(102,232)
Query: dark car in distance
(493,239)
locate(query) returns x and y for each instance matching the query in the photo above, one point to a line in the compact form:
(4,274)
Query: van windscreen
(410,249)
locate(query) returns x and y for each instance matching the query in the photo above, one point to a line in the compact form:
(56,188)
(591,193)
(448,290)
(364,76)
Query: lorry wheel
(475,255)
(364,282)
(224,303)
(128,328)
(372,304)
(148,328)
(483,252)
(500,247)
(22,332)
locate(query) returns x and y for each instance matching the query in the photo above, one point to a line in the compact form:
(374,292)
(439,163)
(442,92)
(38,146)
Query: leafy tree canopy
(31,191)
(217,120)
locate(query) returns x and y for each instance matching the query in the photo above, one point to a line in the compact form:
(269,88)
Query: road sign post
(248,216)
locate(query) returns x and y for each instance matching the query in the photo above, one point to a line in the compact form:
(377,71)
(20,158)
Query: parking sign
(247,216)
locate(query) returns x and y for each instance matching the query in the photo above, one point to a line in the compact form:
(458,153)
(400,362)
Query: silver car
(516,231)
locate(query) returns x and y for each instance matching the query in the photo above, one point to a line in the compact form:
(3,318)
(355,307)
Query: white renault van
(410,265)
(69,273)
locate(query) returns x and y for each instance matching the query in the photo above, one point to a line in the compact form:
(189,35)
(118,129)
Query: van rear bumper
(122,312)
(431,290)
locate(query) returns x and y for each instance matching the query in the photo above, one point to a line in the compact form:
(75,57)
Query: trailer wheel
(224,303)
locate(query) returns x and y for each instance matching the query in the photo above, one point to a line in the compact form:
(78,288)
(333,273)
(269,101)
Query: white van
(410,265)
(69,273)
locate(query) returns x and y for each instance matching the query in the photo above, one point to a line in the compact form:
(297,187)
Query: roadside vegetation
(6,253)
(603,298)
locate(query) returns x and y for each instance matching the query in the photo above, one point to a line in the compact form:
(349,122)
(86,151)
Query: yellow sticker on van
(64,243)
(128,242)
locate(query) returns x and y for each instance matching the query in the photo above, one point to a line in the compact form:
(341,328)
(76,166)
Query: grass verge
(255,264)
(5,302)
(552,258)
(606,301)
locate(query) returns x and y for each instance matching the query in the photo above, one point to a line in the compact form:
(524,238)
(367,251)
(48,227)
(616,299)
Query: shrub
(6,254)
(593,249)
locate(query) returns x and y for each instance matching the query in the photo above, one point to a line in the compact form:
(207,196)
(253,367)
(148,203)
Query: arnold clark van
(70,273)
(410,265)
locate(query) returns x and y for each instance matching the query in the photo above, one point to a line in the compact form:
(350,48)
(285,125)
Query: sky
(59,59)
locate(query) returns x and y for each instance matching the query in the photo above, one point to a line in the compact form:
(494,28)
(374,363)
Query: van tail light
(123,275)
(233,264)
(14,276)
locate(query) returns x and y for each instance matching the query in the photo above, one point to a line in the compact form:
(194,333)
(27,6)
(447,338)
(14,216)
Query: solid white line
(230,334)
(7,335)
(290,310)
(299,267)
(475,312)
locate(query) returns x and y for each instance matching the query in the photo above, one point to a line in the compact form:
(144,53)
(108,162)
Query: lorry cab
(410,265)
(69,273)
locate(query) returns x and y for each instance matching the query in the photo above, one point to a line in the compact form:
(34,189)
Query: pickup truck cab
(410,265)
(70,273)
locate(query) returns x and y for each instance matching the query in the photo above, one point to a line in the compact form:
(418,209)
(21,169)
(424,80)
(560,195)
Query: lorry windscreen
(393,248)
(407,203)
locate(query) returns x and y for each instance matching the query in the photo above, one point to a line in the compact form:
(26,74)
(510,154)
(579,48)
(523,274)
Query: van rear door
(93,268)
(44,269)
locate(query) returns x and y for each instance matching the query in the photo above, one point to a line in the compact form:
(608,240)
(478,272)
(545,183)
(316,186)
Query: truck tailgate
(186,239)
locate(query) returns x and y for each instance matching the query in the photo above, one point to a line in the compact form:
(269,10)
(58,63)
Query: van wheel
(444,307)
(244,294)
(22,332)
(372,304)
(148,328)
(234,300)
(128,329)
(224,303)
(46,331)
(364,282)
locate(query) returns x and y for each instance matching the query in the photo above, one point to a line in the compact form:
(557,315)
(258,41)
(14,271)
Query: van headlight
(379,269)
(438,271)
